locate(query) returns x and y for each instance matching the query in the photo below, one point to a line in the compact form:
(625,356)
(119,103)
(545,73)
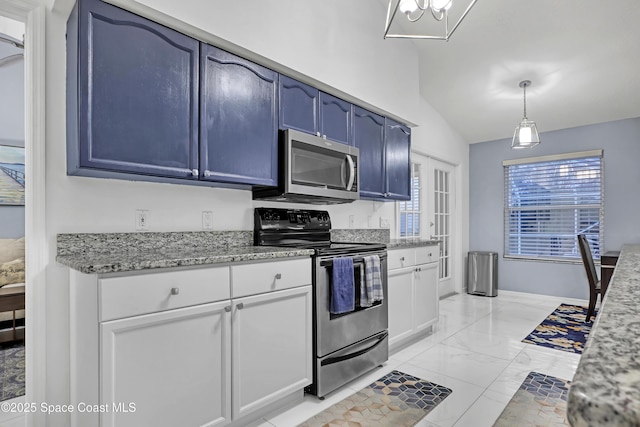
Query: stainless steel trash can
(482,273)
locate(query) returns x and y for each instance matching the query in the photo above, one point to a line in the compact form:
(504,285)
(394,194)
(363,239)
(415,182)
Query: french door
(441,203)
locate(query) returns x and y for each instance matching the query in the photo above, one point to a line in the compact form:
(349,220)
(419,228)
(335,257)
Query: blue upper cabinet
(368,137)
(132,94)
(298,106)
(305,108)
(238,120)
(398,160)
(335,118)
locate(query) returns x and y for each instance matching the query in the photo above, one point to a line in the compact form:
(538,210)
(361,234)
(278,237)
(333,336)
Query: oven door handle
(356,260)
(338,359)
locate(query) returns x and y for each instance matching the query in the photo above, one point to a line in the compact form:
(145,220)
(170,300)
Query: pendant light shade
(526,133)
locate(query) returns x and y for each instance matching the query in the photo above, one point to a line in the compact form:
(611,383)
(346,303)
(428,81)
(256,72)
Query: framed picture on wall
(11,175)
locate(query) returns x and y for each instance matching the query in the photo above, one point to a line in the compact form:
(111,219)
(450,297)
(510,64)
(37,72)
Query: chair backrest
(587,260)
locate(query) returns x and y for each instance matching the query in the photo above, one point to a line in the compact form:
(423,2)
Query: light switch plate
(142,220)
(207,220)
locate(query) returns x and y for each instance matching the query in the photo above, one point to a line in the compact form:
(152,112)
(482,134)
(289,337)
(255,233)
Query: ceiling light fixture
(526,133)
(415,9)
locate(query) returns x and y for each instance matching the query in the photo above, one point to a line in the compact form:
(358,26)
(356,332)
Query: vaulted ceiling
(583,57)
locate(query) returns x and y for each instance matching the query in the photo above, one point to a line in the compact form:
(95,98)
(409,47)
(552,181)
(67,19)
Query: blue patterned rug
(541,400)
(564,329)
(397,399)
(11,371)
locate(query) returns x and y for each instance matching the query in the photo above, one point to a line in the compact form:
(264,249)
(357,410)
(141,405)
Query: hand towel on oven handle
(342,286)
(373,280)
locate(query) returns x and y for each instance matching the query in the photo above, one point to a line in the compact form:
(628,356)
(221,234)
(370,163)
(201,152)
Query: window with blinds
(549,200)
(409,211)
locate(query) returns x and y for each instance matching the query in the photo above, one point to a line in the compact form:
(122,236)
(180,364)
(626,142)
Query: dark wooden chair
(592,275)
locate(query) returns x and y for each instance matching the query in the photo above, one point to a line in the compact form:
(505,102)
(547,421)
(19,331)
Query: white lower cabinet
(167,369)
(413,292)
(272,348)
(153,350)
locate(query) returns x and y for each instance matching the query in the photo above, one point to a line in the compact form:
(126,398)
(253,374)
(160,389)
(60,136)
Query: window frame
(416,186)
(550,162)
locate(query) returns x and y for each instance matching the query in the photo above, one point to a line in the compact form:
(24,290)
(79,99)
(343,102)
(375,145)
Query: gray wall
(620,141)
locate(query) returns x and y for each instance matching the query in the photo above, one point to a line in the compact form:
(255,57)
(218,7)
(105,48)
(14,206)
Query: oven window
(318,167)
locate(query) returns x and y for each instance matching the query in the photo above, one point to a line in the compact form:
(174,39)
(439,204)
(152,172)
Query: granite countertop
(117,252)
(410,242)
(606,387)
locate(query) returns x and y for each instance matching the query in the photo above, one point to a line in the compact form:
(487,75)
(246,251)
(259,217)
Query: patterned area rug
(540,401)
(397,400)
(12,366)
(564,329)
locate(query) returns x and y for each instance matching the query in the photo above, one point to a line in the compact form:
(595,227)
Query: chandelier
(526,133)
(414,10)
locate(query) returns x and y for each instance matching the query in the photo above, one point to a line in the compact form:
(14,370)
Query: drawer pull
(175,291)
(240,306)
(278,276)
(227,308)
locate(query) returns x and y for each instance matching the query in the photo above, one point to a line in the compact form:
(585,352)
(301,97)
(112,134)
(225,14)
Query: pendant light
(526,133)
(438,29)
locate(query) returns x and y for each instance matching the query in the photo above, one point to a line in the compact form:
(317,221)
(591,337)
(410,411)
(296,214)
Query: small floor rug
(564,329)
(397,399)
(12,366)
(540,401)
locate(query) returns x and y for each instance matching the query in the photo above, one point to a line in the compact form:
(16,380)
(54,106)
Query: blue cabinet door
(335,118)
(298,106)
(238,120)
(368,137)
(132,94)
(398,160)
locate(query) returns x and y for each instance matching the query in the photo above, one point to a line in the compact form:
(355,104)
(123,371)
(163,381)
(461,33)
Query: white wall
(338,43)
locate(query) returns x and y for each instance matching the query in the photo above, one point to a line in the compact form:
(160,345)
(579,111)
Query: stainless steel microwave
(314,170)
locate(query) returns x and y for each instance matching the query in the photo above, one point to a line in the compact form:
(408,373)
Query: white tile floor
(475,350)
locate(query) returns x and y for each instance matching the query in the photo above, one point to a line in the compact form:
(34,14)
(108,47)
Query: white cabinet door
(400,300)
(426,295)
(174,366)
(272,349)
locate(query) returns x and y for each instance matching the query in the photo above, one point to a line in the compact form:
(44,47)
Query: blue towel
(342,286)
(372,278)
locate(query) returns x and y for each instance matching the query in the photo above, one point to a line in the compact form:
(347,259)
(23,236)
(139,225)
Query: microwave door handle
(352,172)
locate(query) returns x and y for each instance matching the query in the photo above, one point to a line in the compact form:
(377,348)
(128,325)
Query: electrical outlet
(352,221)
(142,220)
(207,220)
(384,222)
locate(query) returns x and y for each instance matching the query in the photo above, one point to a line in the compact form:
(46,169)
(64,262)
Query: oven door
(320,168)
(335,332)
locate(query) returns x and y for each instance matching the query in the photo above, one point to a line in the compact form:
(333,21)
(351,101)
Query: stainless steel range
(345,345)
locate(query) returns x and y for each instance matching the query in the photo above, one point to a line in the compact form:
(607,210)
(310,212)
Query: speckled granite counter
(409,243)
(606,387)
(116,252)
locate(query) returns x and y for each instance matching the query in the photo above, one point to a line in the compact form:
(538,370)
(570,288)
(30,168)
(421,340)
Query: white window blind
(410,211)
(549,201)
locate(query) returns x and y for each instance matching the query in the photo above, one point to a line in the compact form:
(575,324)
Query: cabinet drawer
(148,293)
(427,254)
(399,258)
(256,278)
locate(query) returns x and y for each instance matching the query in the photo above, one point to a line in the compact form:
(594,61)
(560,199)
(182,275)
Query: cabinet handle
(278,276)
(175,291)
(207,173)
(240,306)
(227,308)
(402,259)
(194,172)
